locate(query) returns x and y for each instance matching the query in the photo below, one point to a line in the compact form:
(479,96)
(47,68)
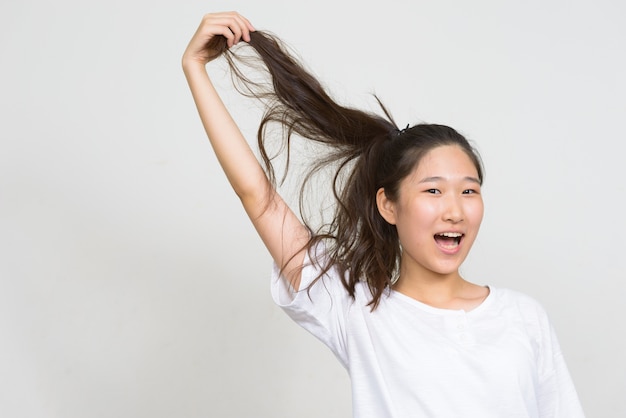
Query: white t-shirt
(408,359)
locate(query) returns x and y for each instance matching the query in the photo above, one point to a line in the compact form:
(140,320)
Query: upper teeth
(451,234)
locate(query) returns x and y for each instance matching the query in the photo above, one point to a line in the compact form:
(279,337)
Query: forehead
(446,162)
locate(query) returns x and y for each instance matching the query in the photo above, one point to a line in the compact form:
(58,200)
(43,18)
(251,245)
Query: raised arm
(282,232)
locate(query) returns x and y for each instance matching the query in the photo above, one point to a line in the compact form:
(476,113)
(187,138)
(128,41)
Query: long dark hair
(366,150)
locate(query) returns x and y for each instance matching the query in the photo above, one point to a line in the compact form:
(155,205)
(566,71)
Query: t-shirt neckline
(443,311)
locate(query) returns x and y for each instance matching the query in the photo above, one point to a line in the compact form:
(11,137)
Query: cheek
(475,212)
(418,212)
(415,219)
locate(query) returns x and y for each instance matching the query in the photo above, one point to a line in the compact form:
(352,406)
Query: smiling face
(437,213)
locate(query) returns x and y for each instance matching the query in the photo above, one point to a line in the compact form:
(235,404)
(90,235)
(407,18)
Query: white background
(131,282)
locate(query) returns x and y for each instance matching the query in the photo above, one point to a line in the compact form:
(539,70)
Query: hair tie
(401,131)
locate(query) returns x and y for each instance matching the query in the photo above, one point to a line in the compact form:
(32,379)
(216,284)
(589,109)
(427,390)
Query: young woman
(380,284)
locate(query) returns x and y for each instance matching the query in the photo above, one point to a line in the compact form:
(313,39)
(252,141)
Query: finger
(225,32)
(237,28)
(246,28)
(240,28)
(238,25)
(215,25)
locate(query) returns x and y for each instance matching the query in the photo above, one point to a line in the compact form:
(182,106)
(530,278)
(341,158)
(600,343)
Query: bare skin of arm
(282,232)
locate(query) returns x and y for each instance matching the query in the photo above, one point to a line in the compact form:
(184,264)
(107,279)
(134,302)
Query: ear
(386,207)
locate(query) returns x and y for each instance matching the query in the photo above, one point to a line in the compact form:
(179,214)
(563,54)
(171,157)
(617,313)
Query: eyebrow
(439,178)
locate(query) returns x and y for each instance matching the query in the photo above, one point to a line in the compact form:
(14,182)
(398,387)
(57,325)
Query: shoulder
(515,303)
(516,298)
(523,312)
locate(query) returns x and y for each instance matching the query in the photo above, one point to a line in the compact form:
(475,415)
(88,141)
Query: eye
(470,191)
(433,191)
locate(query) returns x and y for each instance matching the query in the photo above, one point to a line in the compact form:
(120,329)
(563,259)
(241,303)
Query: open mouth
(448,240)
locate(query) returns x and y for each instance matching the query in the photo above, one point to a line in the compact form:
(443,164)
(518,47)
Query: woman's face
(438,212)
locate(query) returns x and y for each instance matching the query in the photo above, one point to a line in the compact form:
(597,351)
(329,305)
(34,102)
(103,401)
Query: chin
(447,269)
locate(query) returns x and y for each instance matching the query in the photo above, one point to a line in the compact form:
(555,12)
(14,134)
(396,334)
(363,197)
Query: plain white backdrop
(132,284)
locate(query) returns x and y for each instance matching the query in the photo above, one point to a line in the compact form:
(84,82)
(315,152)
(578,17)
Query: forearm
(239,163)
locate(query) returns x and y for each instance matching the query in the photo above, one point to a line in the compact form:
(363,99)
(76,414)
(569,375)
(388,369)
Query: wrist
(190,64)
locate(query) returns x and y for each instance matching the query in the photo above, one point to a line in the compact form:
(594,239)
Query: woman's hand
(216,32)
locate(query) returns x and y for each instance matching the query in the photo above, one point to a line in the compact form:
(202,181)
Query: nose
(453,209)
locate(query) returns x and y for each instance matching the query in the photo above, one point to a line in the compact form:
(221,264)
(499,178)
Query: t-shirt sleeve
(557,397)
(320,307)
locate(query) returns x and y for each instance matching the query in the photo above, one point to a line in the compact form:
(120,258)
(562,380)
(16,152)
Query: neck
(434,287)
(447,291)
